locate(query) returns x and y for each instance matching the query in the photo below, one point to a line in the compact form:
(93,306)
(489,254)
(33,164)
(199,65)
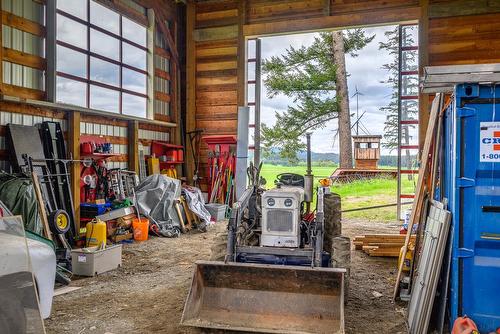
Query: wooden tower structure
(366,151)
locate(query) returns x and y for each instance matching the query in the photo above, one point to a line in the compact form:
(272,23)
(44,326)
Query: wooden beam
(22,92)
(74,150)
(463,7)
(423,54)
(368,18)
(160,21)
(216,33)
(162,52)
(162,74)
(162,96)
(133,147)
(23,24)
(242,7)
(23,58)
(190,86)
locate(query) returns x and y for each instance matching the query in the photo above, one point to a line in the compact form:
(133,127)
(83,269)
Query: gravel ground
(146,295)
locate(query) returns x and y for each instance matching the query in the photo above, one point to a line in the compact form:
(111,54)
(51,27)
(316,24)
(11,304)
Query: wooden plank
(219,14)
(210,34)
(463,7)
(41,206)
(204,81)
(423,57)
(214,6)
(162,96)
(375,17)
(22,92)
(162,52)
(133,147)
(23,24)
(358,6)
(65,289)
(74,120)
(422,179)
(22,108)
(216,98)
(242,75)
(23,58)
(217,51)
(162,74)
(224,65)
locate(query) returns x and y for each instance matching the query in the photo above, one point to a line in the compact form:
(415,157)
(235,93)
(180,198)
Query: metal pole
(256,152)
(308,178)
(242,151)
(400,90)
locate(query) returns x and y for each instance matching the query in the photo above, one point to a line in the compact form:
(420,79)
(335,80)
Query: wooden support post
(133,146)
(242,59)
(423,55)
(74,149)
(190,86)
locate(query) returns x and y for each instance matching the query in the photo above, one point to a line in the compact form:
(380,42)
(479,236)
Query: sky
(364,72)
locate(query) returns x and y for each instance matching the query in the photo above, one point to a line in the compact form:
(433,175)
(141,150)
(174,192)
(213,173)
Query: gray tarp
(155,198)
(196,204)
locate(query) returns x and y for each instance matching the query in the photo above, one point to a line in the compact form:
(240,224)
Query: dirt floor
(146,295)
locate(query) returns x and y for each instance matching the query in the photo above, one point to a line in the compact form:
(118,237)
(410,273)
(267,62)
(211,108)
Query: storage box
(90,261)
(217,211)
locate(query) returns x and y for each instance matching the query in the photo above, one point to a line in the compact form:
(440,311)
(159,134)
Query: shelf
(99,155)
(154,142)
(171,162)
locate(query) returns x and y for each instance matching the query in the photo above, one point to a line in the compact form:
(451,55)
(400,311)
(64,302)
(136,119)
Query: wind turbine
(357,94)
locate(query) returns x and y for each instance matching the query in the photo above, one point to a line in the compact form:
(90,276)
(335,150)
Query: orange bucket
(141,229)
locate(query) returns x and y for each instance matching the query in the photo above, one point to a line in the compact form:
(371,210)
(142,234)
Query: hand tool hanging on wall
(195,143)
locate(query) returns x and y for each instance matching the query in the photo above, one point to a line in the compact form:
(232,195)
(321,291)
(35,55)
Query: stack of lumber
(381,244)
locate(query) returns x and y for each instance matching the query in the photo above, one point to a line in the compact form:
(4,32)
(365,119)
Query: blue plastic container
(471,183)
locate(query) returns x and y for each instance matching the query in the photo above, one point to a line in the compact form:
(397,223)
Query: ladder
(253,86)
(408,122)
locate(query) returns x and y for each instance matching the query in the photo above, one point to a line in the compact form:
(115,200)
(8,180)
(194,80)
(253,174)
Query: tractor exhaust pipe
(308,178)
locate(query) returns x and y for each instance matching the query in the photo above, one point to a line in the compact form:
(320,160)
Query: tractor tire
(341,258)
(333,224)
(219,247)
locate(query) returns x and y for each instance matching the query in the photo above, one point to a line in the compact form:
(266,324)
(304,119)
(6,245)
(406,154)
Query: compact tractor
(283,265)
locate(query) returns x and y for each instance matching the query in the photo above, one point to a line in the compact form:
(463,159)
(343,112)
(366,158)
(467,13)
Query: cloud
(365,72)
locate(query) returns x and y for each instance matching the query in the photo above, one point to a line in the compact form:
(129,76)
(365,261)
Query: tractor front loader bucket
(265,298)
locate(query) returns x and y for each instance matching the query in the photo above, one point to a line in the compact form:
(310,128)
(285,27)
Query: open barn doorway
(382,80)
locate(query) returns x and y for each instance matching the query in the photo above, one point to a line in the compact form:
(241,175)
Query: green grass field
(357,194)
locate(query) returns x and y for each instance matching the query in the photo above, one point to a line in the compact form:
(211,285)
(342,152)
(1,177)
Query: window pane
(71,92)
(71,62)
(104,17)
(71,32)
(133,31)
(104,99)
(134,56)
(76,8)
(104,45)
(104,72)
(134,105)
(134,81)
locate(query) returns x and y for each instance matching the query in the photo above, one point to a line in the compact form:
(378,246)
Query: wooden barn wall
(463,33)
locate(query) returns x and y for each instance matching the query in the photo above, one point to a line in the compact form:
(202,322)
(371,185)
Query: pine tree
(312,78)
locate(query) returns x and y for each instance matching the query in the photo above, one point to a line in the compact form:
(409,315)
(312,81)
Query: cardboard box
(90,261)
